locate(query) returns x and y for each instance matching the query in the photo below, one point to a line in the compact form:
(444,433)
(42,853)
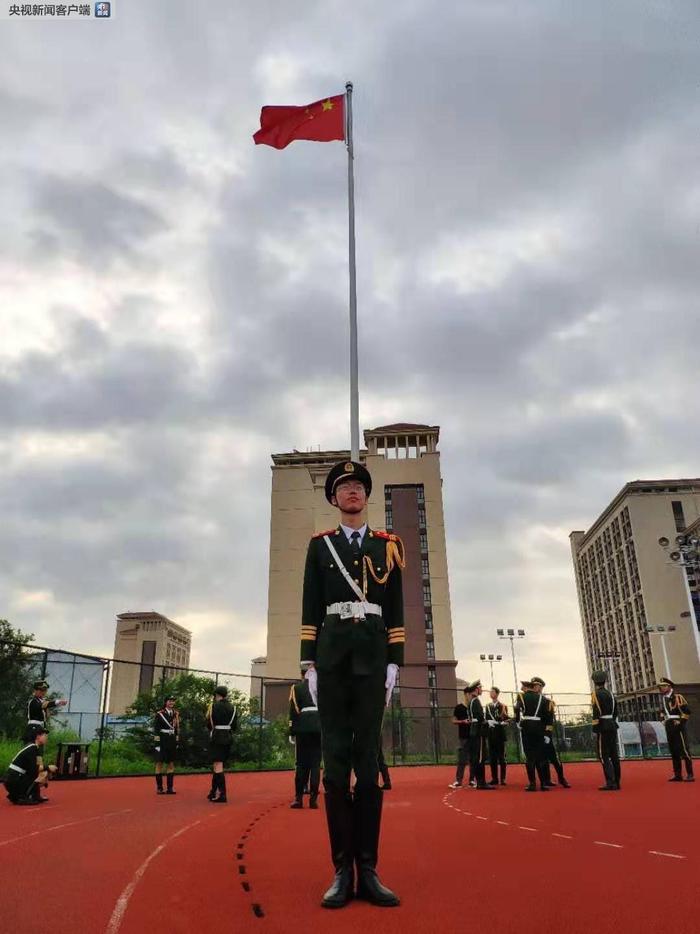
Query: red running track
(110,856)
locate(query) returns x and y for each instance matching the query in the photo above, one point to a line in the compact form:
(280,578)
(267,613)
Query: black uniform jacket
(476,715)
(496,712)
(372,642)
(37,710)
(676,711)
(303,713)
(167,720)
(604,711)
(28,759)
(224,715)
(532,704)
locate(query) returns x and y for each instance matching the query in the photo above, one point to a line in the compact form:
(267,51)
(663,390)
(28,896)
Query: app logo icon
(103,10)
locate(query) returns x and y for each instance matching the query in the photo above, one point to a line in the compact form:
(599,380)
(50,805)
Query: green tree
(16,675)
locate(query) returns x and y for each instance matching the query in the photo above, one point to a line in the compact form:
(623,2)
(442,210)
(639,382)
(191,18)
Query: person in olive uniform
(675,714)
(26,773)
(460,718)
(39,709)
(496,714)
(166,726)
(222,719)
(605,727)
(531,715)
(478,736)
(305,730)
(352,636)
(551,754)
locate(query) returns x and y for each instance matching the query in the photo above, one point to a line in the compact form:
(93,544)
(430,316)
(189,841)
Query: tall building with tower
(404,462)
(158,646)
(638,601)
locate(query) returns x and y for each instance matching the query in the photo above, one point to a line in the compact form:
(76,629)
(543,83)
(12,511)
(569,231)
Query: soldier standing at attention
(166,726)
(531,713)
(478,742)
(305,730)
(39,709)
(496,718)
(460,718)
(605,728)
(26,773)
(551,755)
(675,714)
(352,636)
(222,718)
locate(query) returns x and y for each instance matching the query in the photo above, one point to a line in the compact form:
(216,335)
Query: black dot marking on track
(257,910)
(241,870)
(245,886)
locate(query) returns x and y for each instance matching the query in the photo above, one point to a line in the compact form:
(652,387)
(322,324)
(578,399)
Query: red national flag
(321,121)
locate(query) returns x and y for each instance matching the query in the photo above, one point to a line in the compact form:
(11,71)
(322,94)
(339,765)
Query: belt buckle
(346,610)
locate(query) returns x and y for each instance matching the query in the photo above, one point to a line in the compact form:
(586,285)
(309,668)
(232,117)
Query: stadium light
(491,658)
(511,635)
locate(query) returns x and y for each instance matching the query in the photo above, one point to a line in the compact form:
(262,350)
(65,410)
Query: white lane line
(503,823)
(87,820)
(123,900)
(531,829)
(617,846)
(481,818)
(670,855)
(563,836)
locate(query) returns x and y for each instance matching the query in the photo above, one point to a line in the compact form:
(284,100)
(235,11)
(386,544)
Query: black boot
(339,815)
(545,777)
(159,783)
(609,776)
(368,821)
(313,801)
(494,774)
(503,773)
(222,789)
(170,777)
(297,803)
(531,777)
(214,786)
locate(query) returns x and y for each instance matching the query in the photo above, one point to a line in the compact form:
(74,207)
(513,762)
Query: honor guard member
(675,714)
(550,746)
(166,726)
(26,773)
(531,714)
(460,718)
(605,729)
(353,636)
(478,741)
(305,730)
(222,718)
(496,714)
(39,709)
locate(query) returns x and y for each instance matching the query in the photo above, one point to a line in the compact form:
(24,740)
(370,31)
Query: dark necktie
(355,544)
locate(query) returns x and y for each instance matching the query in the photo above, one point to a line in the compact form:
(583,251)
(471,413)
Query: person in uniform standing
(39,709)
(675,713)
(550,746)
(530,714)
(605,727)
(305,730)
(27,772)
(352,637)
(222,718)
(460,718)
(478,736)
(166,726)
(496,714)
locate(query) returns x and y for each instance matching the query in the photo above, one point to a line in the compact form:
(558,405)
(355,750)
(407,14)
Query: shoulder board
(327,532)
(388,536)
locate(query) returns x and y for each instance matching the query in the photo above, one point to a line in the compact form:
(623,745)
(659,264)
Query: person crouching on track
(305,731)
(166,726)
(222,717)
(26,773)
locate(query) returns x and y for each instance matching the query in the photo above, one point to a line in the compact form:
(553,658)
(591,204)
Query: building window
(425,570)
(428,620)
(420,493)
(426,594)
(678,516)
(423,541)
(430,648)
(421,517)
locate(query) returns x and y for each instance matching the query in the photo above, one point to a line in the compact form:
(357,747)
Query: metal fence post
(107,669)
(260,728)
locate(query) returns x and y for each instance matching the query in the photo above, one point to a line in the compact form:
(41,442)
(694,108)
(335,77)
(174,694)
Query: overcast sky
(174,299)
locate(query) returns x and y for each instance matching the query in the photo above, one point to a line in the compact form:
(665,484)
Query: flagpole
(354,381)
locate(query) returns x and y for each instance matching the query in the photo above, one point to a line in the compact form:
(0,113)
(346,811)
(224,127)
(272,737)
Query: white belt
(606,716)
(224,726)
(35,722)
(166,731)
(356,609)
(531,718)
(672,716)
(16,768)
(304,709)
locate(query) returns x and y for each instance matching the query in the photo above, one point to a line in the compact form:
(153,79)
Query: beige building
(406,498)
(149,647)
(630,592)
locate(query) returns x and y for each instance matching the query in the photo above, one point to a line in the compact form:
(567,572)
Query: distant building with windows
(157,645)
(404,462)
(637,607)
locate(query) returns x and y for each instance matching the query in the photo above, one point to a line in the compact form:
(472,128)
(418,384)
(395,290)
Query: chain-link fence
(111,705)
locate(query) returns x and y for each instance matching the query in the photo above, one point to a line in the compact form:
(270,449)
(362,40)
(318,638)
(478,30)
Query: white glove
(292,740)
(547,739)
(312,678)
(392,672)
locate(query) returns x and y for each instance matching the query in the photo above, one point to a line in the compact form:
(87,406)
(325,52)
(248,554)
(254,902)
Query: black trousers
(678,747)
(609,755)
(552,756)
(351,709)
(18,787)
(533,747)
(497,751)
(308,746)
(477,756)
